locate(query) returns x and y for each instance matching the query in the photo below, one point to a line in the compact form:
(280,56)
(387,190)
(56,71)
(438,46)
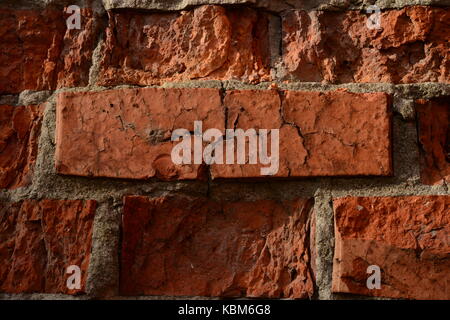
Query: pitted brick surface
(407,237)
(199,247)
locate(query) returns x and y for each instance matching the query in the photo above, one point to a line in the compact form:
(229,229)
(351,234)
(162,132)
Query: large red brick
(39,240)
(199,247)
(407,237)
(127,133)
(208,42)
(335,133)
(39,53)
(411,46)
(434,139)
(19,137)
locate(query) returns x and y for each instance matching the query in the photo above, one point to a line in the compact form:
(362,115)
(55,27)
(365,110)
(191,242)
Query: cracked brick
(198,247)
(19,138)
(434,140)
(335,133)
(411,46)
(39,53)
(39,240)
(208,42)
(408,238)
(127,133)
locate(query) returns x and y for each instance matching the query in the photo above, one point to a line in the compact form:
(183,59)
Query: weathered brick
(19,135)
(39,53)
(199,247)
(321,134)
(77,48)
(209,42)
(127,133)
(411,46)
(434,139)
(39,240)
(407,237)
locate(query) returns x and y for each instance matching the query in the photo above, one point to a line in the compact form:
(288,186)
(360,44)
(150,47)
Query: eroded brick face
(321,134)
(39,53)
(411,46)
(127,133)
(199,247)
(407,237)
(19,138)
(39,240)
(209,42)
(434,139)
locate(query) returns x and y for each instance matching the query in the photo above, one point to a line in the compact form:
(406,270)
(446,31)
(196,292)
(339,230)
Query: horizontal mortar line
(180,6)
(396,190)
(441,89)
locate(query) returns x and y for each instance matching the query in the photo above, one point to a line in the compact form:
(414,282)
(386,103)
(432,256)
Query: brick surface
(19,138)
(434,139)
(39,240)
(127,133)
(198,247)
(38,53)
(407,237)
(76,56)
(209,42)
(321,134)
(411,46)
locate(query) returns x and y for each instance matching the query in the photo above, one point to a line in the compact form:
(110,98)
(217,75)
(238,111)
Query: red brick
(199,247)
(76,56)
(19,138)
(321,134)
(39,240)
(434,139)
(411,46)
(209,42)
(38,53)
(127,133)
(407,237)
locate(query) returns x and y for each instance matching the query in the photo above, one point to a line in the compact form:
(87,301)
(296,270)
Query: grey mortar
(272,5)
(103,272)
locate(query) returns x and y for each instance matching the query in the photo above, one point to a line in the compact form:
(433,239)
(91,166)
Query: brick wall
(358,116)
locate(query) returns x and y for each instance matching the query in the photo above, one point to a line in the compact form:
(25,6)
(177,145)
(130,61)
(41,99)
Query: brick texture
(214,135)
(407,237)
(199,247)
(38,53)
(321,134)
(434,139)
(411,46)
(19,137)
(39,240)
(209,42)
(127,133)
